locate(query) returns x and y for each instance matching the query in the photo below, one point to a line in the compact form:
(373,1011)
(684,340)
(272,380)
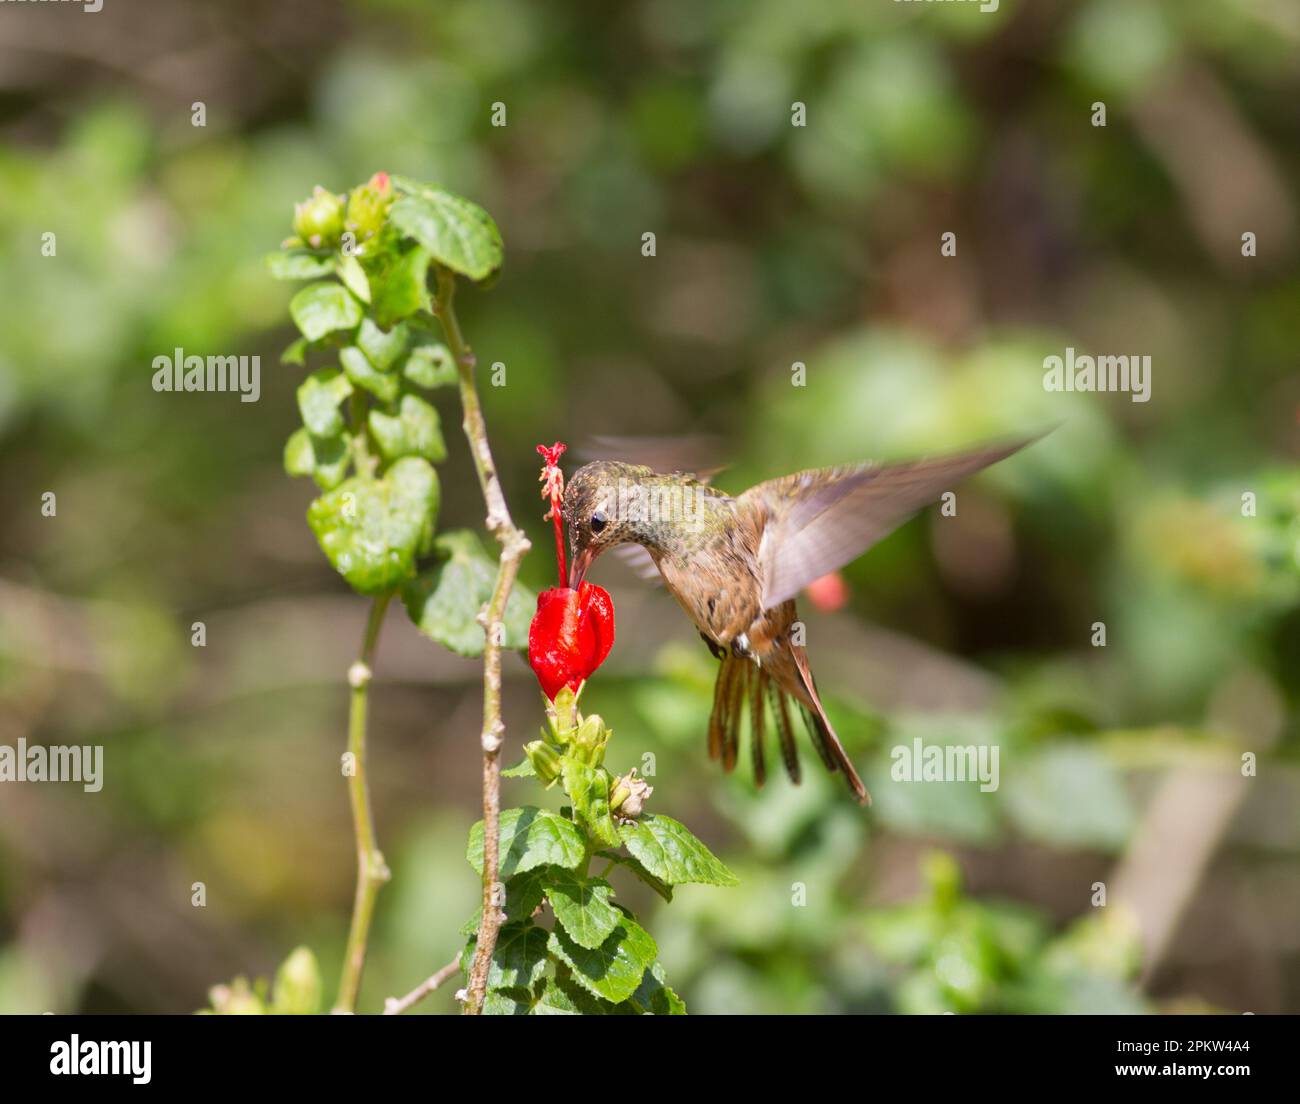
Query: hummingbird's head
(596,511)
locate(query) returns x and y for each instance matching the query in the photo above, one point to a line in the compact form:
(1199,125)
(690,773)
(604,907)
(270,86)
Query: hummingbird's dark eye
(598,521)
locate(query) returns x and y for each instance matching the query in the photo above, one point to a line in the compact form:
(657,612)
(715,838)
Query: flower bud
(318,220)
(545,760)
(236,999)
(629,794)
(368,205)
(297,985)
(588,740)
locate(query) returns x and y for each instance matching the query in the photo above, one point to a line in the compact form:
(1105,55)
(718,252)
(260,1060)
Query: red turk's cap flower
(571,634)
(573,630)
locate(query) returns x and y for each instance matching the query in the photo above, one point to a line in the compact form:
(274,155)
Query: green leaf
(530,837)
(523,894)
(430,365)
(459,235)
(382,347)
(660,887)
(588,787)
(403,289)
(654,997)
(319,396)
(582,906)
(373,529)
(299,264)
(507,1002)
(522,769)
(325,459)
(295,352)
(444,600)
(613,970)
(668,850)
(415,431)
(519,958)
(354,277)
(558,997)
(365,375)
(320,309)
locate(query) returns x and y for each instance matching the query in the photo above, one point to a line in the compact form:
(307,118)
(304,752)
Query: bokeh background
(819,244)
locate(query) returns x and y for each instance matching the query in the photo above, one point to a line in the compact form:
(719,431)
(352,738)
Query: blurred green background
(775,244)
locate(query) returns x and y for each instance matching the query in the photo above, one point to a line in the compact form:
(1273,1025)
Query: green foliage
(445,599)
(372,530)
(367,416)
(596,959)
(457,233)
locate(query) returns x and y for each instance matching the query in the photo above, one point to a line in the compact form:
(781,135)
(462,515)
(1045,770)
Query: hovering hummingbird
(735,564)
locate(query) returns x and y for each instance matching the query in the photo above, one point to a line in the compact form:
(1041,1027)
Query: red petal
(570,636)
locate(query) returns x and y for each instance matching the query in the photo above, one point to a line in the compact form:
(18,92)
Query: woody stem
(513,546)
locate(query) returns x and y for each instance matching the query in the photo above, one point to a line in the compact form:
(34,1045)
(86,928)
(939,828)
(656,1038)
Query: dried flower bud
(629,795)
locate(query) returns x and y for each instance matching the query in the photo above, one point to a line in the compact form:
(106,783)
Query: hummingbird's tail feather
(828,744)
(785,731)
(757,719)
(743,683)
(728,707)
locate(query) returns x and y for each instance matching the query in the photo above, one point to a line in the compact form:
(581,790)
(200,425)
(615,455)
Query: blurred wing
(639,560)
(688,453)
(817,521)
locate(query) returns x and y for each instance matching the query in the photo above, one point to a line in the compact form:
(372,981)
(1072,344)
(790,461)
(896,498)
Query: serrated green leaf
(458,234)
(325,459)
(415,431)
(507,1002)
(353,276)
(557,997)
(654,997)
(324,308)
(669,851)
(403,289)
(519,958)
(581,905)
(319,396)
(373,529)
(588,787)
(444,600)
(383,385)
(530,837)
(299,264)
(383,348)
(430,365)
(631,863)
(613,970)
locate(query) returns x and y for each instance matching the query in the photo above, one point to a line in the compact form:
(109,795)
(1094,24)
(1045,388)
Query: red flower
(571,634)
(573,630)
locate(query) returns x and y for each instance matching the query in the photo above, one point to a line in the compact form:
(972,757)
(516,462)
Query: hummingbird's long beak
(578,568)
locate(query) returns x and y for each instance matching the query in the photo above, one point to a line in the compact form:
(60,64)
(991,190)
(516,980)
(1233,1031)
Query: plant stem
(372,871)
(395,1006)
(513,546)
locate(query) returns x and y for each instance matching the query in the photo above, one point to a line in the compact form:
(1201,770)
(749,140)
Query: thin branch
(372,871)
(513,546)
(395,1006)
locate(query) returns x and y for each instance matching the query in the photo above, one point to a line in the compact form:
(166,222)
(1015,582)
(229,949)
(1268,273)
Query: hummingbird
(735,564)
